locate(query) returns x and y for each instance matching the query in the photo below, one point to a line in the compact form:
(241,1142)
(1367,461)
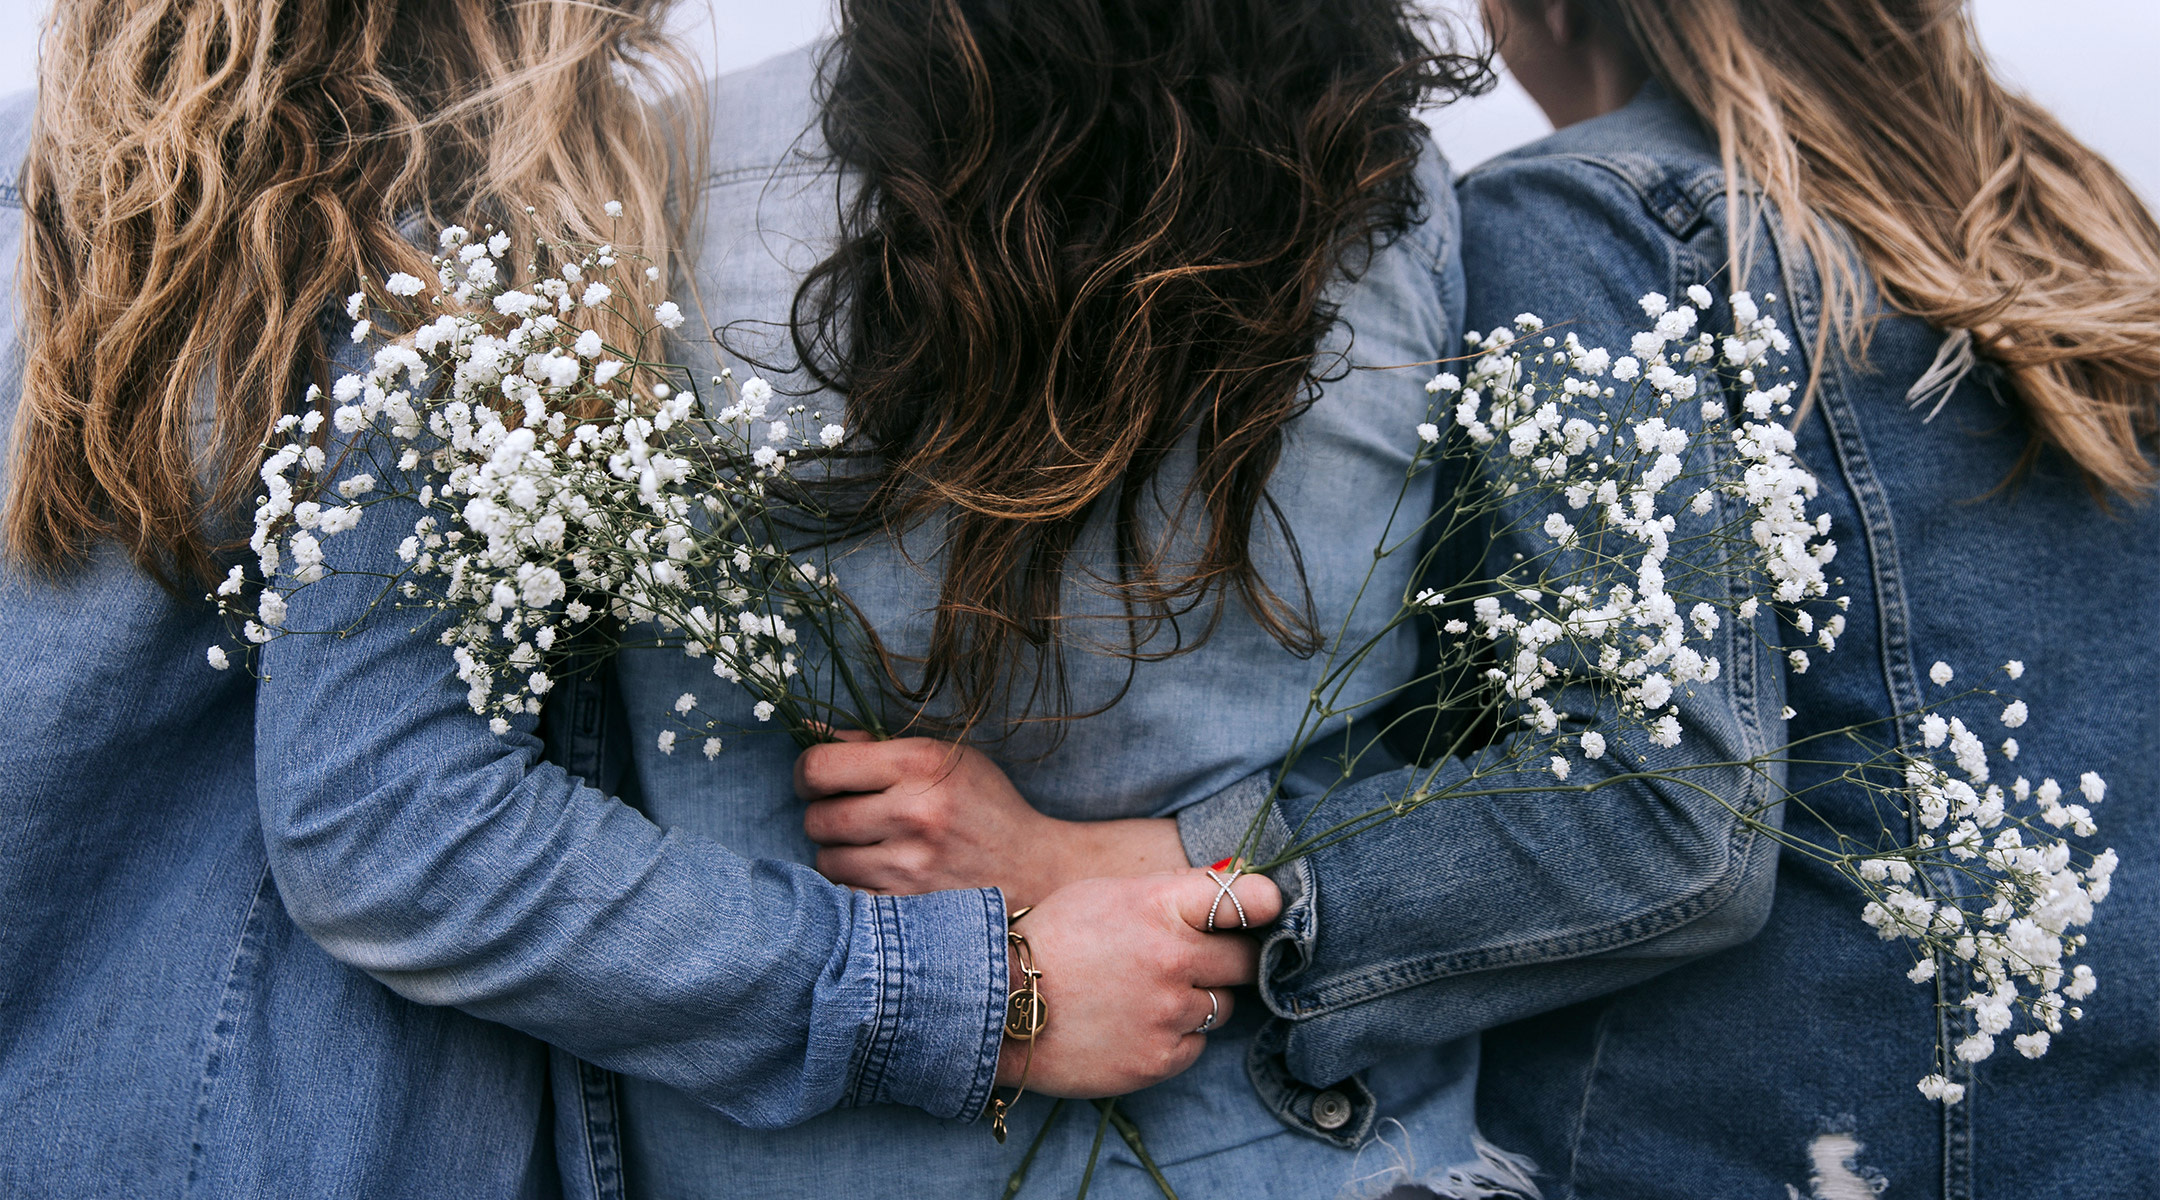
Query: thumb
(1199,892)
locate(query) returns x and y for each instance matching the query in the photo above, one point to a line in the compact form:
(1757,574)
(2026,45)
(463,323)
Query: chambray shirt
(1185,728)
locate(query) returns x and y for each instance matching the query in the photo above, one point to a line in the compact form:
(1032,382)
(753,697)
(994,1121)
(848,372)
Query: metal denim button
(1331,1110)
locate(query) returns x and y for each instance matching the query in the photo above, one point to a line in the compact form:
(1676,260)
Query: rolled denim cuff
(1212,828)
(941,984)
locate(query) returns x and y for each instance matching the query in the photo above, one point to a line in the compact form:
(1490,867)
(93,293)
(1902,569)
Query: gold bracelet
(1026,1015)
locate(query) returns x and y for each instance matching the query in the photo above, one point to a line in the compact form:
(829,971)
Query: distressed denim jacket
(1658,1068)
(1791,1061)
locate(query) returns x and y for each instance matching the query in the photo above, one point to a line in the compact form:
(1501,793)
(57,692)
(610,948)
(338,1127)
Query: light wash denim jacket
(1187,727)
(165,1027)
(1795,1055)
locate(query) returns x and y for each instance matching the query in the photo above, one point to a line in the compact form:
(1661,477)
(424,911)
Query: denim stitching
(597,1098)
(232,1007)
(1900,672)
(986,1059)
(892,998)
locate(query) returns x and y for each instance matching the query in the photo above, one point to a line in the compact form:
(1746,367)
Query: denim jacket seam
(224,1027)
(1313,1000)
(889,972)
(1900,675)
(766,173)
(986,1060)
(1677,193)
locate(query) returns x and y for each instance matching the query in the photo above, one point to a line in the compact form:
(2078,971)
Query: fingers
(1223,961)
(849,821)
(1215,1001)
(1199,894)
(856,764)
(869,869)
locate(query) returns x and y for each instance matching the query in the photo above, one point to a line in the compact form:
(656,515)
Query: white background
(2089,60)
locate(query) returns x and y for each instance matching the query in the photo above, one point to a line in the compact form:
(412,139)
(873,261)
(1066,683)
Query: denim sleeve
(1463,915)
(459,869)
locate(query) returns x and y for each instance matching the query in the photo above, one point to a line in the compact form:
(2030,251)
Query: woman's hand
(918,815)
(1127,971)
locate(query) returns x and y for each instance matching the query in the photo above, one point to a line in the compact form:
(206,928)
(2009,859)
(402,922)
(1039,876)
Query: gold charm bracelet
(1026,1015)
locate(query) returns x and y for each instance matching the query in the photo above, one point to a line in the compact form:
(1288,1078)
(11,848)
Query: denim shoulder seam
(10,196)
(1678,194)
(768,172)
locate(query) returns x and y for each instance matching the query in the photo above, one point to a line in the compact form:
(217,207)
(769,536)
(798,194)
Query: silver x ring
(1222,891)
(1214,1011)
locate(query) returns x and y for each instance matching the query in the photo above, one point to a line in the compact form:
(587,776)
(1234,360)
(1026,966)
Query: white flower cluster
(1656,499)
(1990,883)
(1610,475)
(570,484)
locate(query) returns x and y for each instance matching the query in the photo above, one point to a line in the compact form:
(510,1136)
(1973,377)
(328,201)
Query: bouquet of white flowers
(580,494)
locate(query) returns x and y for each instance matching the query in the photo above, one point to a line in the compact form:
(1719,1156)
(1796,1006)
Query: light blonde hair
(206,178)
(1973,208)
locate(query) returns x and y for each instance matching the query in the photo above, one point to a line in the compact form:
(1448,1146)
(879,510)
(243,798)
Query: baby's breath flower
(666,741)
(218,659)
(1935,1087)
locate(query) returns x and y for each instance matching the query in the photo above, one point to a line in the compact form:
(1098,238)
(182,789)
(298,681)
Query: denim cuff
(942,979)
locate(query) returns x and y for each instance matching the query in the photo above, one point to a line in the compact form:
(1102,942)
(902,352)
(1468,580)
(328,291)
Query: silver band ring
(1222,891)
(1214,1011)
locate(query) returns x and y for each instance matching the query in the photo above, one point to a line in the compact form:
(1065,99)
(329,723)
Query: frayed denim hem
(1494,1175)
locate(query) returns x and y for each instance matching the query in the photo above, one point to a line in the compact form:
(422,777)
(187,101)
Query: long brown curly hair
(1093,236)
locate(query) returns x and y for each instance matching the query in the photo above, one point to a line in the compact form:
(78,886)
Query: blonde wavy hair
(206,178)
(1973,208)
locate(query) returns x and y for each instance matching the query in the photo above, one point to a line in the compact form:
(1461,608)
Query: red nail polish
(1224,865)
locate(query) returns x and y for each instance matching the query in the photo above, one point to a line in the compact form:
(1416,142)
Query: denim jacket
(166,1029)
(1794,1057)
(1660,1069)
(1464,914)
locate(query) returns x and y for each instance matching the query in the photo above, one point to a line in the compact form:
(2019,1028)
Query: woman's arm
(459,869)
(1465,914)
